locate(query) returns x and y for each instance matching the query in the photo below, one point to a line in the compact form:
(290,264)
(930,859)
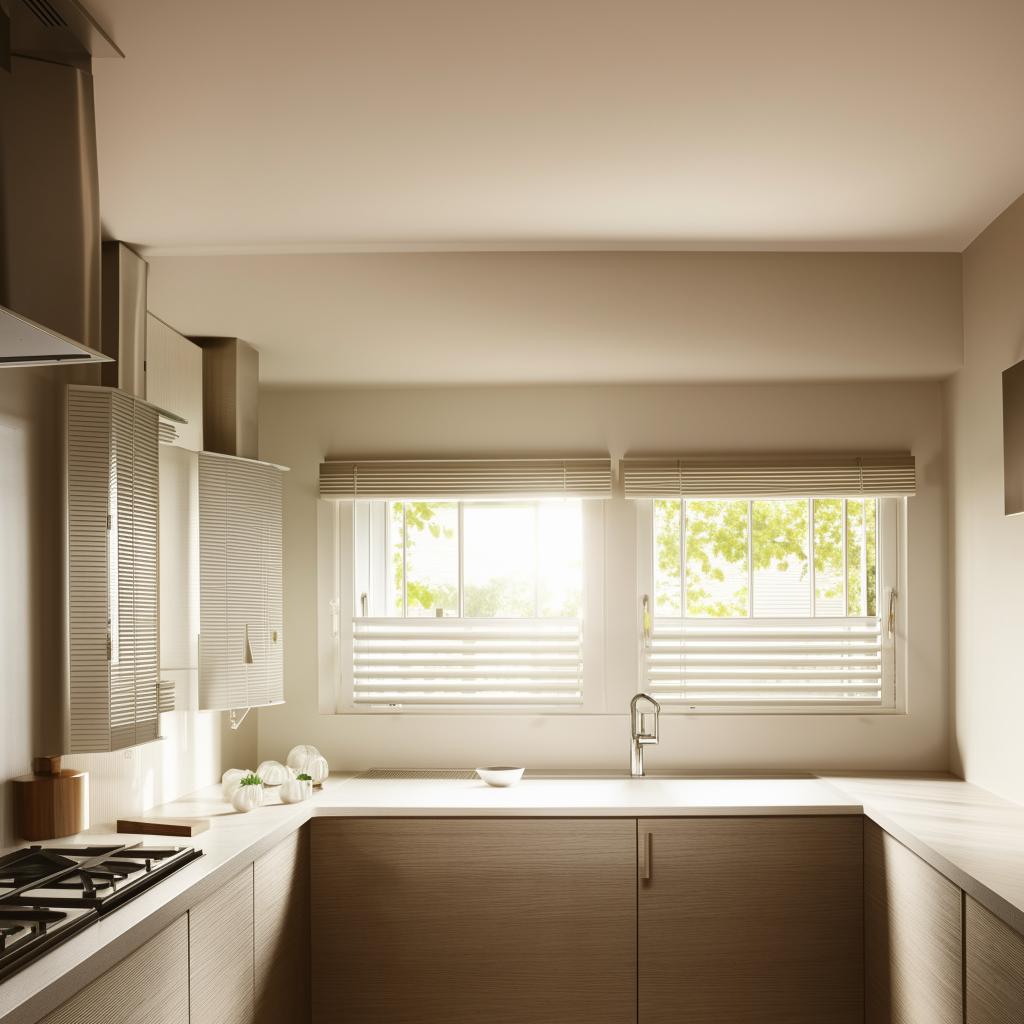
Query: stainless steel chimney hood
(49,192)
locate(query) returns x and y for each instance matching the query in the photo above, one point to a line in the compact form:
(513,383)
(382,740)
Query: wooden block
(50,806)
(164,826)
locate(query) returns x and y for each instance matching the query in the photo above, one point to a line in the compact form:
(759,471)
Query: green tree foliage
(497,597)
(721,536)
(420,517)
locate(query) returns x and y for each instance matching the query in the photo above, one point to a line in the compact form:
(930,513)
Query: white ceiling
(332,124)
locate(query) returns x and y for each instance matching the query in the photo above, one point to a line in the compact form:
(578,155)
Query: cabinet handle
(645,857)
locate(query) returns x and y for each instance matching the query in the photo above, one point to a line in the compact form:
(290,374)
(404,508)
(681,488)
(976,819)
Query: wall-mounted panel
(113,501)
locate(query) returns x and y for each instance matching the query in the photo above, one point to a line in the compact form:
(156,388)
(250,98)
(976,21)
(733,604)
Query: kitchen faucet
(640,737)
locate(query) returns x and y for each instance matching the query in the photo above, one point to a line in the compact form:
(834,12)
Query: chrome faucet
(641,737)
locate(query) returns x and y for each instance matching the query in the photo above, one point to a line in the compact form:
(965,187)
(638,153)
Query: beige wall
(300,427)
(32,626)
(988,565)
(446,319)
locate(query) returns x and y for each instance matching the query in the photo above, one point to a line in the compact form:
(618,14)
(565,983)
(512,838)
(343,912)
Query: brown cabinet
(469,920)
(913,937)
(221,953)
(995,968)
(281,924)
(148,987)
(750,920)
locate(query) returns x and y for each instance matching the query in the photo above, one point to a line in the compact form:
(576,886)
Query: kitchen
(449,375)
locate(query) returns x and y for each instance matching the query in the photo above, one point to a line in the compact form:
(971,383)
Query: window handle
(890,625)
(645,619)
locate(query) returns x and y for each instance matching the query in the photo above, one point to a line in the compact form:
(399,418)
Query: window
(462,585)
(467,603)
(772,603)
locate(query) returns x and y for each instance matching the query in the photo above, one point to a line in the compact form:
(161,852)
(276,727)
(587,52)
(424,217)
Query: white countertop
(561,795)
(973,837)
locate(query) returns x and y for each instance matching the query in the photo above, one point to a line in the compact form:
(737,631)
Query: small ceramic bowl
(500,776)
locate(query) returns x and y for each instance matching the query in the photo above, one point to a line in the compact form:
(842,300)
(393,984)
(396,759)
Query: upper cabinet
(113,485)
(241,641)
(174,381)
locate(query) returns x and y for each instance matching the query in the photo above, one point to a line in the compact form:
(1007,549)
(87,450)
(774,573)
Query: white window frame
(337,607)
(892,560)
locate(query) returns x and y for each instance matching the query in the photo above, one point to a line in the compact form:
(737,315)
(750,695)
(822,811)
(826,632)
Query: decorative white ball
(297,756)
(247,798)
(316,768)
(294,791)
(272,773)
(230,779)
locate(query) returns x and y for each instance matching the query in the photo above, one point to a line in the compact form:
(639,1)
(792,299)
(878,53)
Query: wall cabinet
(994,969)
(750,920)
(148,987)
(460,920)
(281,923)
(913,937)
(220,954)
(241,640)
(113,488)
(174,381)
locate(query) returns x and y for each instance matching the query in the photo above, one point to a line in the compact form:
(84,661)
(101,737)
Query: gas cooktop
(49,893)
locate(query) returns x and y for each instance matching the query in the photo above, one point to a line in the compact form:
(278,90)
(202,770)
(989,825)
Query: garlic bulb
(230,779)
(296,790)
(273,773)
(316,768)
(297,756)
(249,794)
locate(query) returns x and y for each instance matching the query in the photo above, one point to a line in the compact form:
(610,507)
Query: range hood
(50,269)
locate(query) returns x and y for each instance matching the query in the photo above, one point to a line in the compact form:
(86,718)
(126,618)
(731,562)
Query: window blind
(467,479)
(769,476)
(467,663)
(767,663)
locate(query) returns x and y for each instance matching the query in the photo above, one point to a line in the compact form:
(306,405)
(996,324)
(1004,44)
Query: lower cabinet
(220,954)
(994,969)
(745,920)
(281,924)
(148,987)
(913,937)
(503,921)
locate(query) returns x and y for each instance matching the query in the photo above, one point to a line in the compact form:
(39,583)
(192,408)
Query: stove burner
(49,893)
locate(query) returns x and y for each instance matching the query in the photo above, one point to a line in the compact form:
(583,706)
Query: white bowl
(500,776)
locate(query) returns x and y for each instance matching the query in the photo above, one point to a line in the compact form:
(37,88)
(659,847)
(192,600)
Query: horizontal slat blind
(241,638)
(766,662)
(769,477)
(466,479)
(113,543)
(466,663)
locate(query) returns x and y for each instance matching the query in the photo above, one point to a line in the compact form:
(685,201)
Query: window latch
(645,619)
(890,625)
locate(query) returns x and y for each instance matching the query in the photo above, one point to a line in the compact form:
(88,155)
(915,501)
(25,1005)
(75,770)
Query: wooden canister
(51,802)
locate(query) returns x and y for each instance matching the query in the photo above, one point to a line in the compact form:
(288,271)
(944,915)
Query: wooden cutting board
(182,827)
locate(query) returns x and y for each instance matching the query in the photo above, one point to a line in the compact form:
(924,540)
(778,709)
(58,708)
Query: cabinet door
(148,987)
(506,921)
(220,954)
(281,907)
(750,920)
(912,937)
(995,969)
(113,493)
(240,644)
